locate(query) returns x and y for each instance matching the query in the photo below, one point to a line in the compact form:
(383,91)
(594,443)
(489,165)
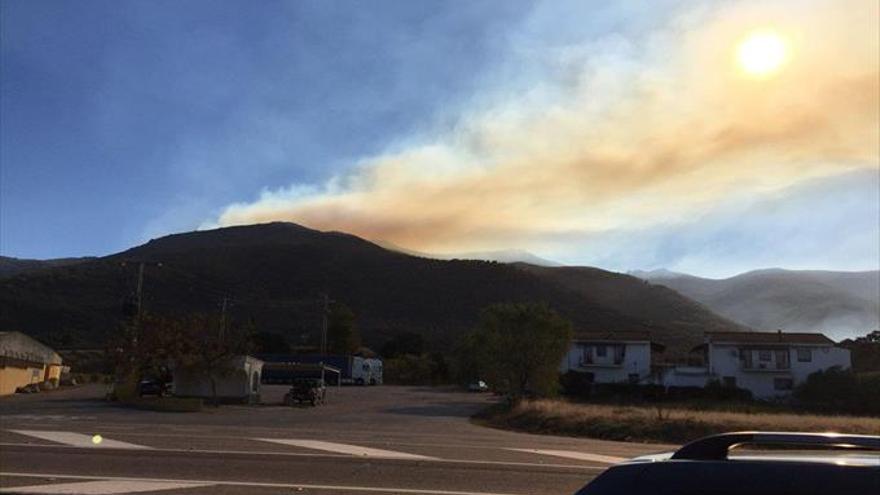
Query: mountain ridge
(273,275)
(840,303)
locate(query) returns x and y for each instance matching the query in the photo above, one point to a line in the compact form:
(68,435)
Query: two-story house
(769,364)
(611,357)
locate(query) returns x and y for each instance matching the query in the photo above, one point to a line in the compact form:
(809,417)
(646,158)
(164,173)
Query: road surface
(366,440)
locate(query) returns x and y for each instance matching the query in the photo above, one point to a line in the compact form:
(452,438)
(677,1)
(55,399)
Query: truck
(354,370)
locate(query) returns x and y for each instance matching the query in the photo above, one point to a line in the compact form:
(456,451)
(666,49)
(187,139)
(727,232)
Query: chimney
(779,334)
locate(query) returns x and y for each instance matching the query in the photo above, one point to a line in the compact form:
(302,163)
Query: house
(611,357)
(239,382)
(25,361)
(769,364)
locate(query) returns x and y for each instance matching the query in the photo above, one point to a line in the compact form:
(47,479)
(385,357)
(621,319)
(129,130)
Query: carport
(288,372)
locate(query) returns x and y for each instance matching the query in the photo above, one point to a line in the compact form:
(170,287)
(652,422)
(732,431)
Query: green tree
(200,343)
(517,348)
(342,333)
(210,346)
(404,343)
(271,343)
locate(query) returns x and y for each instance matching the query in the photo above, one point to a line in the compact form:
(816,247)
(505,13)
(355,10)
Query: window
(804,355)
(619,353)
(782,360)
(588,355)
(729,381)
(601,351)
(633,377)
(764,355)
(783,383)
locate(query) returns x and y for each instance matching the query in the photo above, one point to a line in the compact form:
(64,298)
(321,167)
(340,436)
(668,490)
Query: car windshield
(492,247)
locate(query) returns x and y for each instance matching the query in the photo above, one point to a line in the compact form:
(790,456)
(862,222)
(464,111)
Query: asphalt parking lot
(384,439)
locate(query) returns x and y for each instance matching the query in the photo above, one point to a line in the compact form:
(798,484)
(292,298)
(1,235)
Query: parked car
(152,386)
(777,464)
(478,386)
(310,390)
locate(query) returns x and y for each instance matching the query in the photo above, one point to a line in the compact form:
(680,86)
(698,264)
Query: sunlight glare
(762,53)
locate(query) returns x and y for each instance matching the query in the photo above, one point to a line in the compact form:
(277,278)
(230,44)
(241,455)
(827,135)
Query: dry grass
(652,424)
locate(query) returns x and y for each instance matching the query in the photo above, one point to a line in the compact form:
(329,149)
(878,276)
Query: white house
(240,382)
(769,364)
(610,357)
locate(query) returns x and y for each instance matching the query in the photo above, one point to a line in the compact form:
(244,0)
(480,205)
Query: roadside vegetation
(658,423)
(516,348)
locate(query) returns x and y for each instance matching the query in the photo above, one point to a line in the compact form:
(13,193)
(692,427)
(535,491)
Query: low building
(768,364)
(25,361)
(612,357)
(239,382)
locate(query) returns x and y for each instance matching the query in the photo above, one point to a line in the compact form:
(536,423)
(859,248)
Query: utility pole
(324,314)
(140,290)
(223,318)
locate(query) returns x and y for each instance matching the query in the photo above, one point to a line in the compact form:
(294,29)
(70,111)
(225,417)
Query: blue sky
(442,127)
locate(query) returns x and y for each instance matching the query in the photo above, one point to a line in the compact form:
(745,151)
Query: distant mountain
(840,304)
(273,275)
(661,307)
(661,273)
(501,256)
(11,266)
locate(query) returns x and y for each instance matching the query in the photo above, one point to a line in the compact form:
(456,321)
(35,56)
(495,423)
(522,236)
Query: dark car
(752,463)
(152,386)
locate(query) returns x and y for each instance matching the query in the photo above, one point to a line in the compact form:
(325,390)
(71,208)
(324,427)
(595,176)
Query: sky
(625,135)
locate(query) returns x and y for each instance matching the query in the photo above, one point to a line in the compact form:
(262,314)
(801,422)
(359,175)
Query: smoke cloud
(615,133)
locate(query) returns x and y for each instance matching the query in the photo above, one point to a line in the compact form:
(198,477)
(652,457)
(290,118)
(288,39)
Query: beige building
(239,383)
(24,360)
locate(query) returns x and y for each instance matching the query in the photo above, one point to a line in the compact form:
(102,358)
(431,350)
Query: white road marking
(572,454)
(344,448)
(106,487)
(159,450)
(294,486)
(77,439)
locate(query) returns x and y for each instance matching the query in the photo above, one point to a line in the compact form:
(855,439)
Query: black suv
(752,463)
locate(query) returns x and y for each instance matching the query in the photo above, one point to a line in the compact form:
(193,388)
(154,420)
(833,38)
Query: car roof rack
(716,447)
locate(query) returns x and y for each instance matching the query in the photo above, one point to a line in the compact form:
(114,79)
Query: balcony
(766,367)
(603,364)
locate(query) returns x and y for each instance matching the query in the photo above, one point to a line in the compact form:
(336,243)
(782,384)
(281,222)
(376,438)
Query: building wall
(242,382)
(12,377)
(636,361)
(24,360)
(685,376)
(725,361)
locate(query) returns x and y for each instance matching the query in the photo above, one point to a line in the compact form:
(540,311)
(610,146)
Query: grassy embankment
(646,423)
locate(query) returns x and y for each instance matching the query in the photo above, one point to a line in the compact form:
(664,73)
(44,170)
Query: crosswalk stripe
(101,487)
(571,454)
(342,448)
(78,439)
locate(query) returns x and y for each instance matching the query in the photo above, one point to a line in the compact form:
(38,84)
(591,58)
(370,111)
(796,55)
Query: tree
(342,333)
(517,348)
(404,343)
(211,345)
(204,344)
(271,343)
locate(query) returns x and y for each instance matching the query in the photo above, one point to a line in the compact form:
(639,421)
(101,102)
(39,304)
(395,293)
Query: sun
(762,53)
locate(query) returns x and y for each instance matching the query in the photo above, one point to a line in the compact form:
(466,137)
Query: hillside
(274,274)
(658,306)
(840,304)
(12,266)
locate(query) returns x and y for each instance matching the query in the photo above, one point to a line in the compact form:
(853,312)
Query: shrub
(838,390)
(410,369)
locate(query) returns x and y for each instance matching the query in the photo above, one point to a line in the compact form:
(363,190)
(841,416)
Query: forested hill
(274,275)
